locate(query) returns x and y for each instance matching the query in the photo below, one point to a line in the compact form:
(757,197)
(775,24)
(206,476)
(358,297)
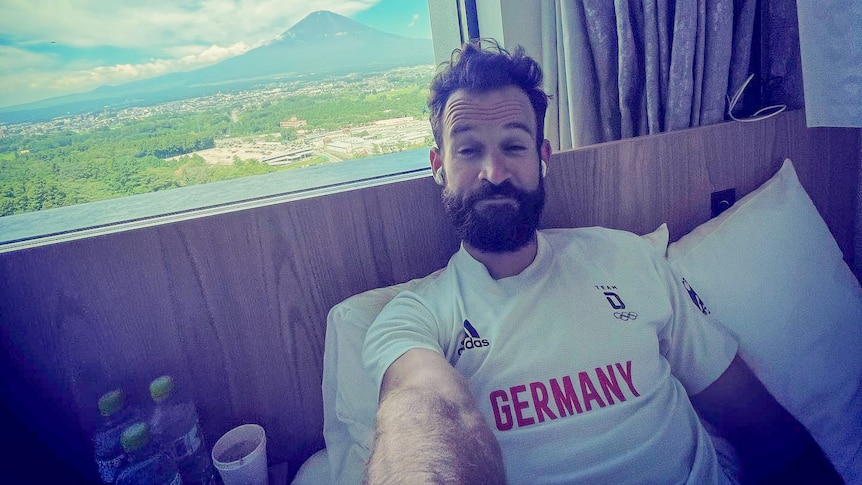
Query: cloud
(120,73)
(413,20)
(209,55)
(160,24)
(23,75)
(14,59)
(24,72)
(174,35)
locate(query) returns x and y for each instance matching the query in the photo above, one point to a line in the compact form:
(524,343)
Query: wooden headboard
(235,304)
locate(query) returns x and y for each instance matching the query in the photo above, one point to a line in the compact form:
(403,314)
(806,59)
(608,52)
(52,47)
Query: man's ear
(436,165)
(545,155)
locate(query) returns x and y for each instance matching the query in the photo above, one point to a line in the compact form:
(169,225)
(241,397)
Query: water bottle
(116,416)
(175,426)
(147,464)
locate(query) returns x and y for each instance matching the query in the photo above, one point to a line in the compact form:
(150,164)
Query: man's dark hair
(479,70)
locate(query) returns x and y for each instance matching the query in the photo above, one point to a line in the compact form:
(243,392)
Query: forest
(131,156)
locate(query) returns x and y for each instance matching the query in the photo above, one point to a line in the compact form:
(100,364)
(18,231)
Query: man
(559,356)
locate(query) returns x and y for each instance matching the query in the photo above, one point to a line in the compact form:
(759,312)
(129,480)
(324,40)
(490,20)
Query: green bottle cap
(161,388)
(111,402)
(135,437)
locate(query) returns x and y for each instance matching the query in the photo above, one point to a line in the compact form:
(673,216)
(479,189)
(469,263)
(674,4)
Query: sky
(51,48)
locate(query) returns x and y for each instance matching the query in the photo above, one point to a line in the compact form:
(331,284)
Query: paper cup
(240,456)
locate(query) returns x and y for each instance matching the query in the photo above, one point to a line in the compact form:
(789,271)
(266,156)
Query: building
(286,158)
(293,122)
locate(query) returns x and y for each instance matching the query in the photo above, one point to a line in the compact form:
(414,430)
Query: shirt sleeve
(697,347)
(405,323)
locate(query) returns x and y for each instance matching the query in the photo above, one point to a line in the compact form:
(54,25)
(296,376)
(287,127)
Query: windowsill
(62,224)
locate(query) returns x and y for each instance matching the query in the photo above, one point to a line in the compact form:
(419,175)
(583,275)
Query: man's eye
(515,148)
(467,151)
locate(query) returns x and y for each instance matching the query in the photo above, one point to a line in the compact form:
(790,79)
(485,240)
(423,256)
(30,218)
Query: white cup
(240,456)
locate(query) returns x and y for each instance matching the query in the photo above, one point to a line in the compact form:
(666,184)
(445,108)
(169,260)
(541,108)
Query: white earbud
(439,177)
(544,166)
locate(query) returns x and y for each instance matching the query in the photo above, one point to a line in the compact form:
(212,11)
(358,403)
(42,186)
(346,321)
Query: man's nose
(494,168)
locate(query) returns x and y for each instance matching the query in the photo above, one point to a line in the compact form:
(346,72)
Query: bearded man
(554,356)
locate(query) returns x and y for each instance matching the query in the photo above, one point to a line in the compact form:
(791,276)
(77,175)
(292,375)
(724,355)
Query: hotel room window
(112,113)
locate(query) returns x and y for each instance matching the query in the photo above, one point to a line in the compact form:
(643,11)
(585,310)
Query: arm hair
(429,429)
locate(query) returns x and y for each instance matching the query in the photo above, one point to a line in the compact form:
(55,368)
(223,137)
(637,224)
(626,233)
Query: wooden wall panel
(235,304)
(637,184)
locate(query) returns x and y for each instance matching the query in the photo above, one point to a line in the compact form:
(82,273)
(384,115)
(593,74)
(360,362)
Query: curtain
(831,43)
(628,68)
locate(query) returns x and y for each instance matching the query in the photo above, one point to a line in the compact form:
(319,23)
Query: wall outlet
(722,200)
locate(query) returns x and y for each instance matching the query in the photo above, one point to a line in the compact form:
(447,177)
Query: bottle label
(109,469)
(185,445)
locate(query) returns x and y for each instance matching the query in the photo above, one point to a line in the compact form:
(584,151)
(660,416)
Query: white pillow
(349,395)
(770,271)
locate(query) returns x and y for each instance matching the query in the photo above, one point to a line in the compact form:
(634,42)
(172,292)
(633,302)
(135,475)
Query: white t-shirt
(580,364)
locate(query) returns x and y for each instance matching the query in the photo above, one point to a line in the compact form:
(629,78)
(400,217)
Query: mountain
(323,43)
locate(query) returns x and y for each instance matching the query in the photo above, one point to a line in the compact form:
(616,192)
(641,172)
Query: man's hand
(429,429)
(774,448)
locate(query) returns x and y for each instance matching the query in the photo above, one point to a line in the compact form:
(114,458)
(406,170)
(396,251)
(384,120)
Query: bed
(767,268)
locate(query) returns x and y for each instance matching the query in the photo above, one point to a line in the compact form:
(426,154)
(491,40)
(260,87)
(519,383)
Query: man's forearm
(422,437)
(809,466)
(785,456)
(773,446)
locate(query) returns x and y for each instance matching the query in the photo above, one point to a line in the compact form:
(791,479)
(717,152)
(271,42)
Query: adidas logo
(472,340)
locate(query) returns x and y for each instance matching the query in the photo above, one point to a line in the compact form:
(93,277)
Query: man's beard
(497,227)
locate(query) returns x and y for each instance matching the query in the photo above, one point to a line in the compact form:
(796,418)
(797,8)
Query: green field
(129,157)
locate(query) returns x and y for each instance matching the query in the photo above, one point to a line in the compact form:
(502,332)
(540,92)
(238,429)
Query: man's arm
(429,429)
(773,446)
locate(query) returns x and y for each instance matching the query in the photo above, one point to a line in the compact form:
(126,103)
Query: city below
(379,137)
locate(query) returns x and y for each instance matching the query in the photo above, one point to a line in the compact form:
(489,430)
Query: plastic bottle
(147,464)
(116,415)
(175,426)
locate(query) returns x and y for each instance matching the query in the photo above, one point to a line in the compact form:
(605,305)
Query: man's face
(493,190)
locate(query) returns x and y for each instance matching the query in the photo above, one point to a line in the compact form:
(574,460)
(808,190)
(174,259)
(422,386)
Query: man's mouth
(496,201)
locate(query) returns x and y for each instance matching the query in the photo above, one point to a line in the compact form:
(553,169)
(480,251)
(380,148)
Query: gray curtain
(628,68)
(831,45)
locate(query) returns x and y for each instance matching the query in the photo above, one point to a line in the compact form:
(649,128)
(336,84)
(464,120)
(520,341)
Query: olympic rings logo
(626,316)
